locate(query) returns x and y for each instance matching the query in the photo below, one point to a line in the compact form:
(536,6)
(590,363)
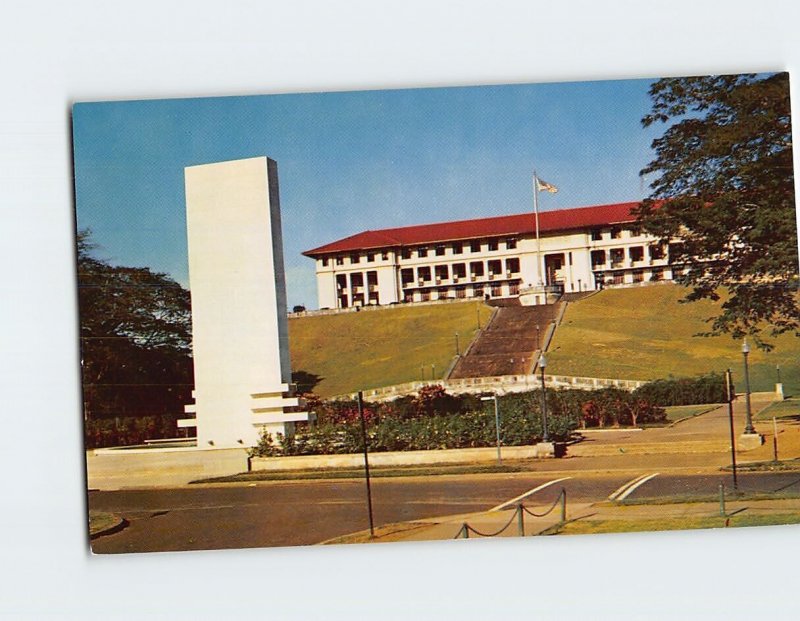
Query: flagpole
(538,241)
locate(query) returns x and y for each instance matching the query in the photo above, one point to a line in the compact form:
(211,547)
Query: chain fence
(519,516)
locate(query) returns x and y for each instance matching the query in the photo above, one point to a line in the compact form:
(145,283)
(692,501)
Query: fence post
(722,499)
(520,520)
(563,505)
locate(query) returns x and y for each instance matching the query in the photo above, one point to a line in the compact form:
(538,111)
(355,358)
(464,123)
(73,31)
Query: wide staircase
(508,345)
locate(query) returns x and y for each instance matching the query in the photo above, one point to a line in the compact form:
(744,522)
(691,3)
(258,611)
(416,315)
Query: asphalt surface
(309,512)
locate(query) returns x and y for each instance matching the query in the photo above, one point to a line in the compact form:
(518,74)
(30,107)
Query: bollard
(722,499)
(520,520)
(563,505)
(465,530)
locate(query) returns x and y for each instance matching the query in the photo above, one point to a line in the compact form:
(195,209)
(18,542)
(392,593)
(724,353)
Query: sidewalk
(490,522)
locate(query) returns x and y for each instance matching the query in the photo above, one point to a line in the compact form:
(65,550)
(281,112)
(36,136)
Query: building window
(459,270)
(341,282)
(458,248)
(495,268)
(356,280)
(424,274)
(656,251)
(406,276)
(513,288)
(635,231)
(384,256)
(638,276)
(370,257)
(422,252)
(497,291)
(512,266)
(511,244)
(405,253)
(339,260)
(408,296)
(439,251)
(461,292)
(425,296)
(597,234)
(441,294)
(598,258)
(617,257)
(442,273)
(492,245)
(616,232)
(372,281)
(675,251)
(636,253)
(354,258)
(324,261)
(475,246)
(618,278)
(657,275)
(476,269)
(477,291)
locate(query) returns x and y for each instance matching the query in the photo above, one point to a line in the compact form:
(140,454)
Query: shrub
(708,388)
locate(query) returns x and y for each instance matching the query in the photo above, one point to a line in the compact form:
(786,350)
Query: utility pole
(366,461)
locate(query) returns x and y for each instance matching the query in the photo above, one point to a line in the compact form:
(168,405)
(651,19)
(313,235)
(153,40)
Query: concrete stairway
(507,346)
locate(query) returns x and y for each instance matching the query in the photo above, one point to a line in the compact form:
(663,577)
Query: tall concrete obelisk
(240,341)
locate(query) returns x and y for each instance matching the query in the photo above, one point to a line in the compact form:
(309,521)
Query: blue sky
(353,161)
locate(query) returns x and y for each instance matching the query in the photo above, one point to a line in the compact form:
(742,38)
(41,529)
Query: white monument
(239,328)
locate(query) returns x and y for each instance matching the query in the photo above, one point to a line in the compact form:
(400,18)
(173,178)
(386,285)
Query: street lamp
(538,340)
(748,427)
(545,435)
(496,423)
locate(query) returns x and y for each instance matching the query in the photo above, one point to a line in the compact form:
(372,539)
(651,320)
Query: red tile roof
(498,226)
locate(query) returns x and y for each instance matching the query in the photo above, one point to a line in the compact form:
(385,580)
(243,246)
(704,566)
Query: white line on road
(625,486)
(528,493)
(630,490)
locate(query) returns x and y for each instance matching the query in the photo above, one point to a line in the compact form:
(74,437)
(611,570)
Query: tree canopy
(135,333)
(724,185)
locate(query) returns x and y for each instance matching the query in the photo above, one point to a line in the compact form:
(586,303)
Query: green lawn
(589,526)
(357,351)
(677,412)
(780,409)
(645,333)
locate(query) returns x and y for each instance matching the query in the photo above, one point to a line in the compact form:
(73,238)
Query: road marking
(625,486)
(633,487)
(528,493)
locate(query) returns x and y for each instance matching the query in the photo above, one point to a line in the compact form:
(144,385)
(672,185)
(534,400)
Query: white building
(581,249)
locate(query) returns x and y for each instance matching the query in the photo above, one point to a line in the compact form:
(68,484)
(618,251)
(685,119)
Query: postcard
(438,314)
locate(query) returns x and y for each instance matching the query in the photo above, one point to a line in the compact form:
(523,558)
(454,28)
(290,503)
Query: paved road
(308,512)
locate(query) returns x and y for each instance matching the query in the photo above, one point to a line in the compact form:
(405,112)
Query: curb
(120,524)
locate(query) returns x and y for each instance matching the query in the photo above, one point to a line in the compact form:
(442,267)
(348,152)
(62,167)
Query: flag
(543,185)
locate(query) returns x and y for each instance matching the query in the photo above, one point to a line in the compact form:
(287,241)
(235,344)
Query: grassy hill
(645,333)
(358,351)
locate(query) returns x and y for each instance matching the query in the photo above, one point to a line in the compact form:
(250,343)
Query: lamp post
(538,340)
(748,427)
(496,424)
(458,351)
(545,434)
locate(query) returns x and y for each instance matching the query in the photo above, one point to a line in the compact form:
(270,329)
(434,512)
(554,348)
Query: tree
(135,334)
(724,186)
